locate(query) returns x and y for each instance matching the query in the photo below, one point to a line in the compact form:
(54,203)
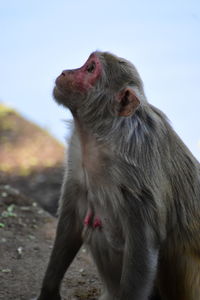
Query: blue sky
(162,38)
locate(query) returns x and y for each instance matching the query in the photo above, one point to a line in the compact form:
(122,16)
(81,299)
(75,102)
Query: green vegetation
(9,212)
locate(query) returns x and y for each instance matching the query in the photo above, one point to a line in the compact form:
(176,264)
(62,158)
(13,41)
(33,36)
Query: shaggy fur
(136,177)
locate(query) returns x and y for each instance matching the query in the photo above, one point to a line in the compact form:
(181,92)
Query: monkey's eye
(91,67)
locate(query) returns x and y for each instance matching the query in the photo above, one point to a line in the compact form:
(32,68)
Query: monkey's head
(105,84)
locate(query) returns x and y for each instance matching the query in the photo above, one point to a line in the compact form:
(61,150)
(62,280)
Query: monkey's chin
(60,98)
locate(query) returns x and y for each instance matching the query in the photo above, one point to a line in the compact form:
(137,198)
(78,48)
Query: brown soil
(26,239)
(30,177)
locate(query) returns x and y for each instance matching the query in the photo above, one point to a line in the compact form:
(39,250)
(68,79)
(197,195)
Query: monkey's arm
(67,243)
(140,258)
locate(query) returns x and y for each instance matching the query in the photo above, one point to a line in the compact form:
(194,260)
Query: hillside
(24,145)
(30,158)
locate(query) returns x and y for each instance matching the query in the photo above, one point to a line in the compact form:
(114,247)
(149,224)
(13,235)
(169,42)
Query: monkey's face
(106,86)
(72,86)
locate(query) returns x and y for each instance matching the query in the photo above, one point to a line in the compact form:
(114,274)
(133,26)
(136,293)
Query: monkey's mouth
(58,83)
(56,89)
(59,89)
(64,86)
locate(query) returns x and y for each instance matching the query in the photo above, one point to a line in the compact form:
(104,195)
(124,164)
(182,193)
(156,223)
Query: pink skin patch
(97,222)
(83,78)
(90,220)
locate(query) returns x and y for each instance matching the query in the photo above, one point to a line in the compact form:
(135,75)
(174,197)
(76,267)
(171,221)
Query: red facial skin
(82,79)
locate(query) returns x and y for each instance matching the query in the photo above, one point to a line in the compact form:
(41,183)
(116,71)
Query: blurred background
(162,38)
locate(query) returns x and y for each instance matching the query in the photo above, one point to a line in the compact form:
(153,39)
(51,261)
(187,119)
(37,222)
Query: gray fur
(141,180)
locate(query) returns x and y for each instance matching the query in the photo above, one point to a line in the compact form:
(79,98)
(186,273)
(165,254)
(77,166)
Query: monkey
(131,191)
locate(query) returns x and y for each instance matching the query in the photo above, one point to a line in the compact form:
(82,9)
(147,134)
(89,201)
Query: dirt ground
(26,238)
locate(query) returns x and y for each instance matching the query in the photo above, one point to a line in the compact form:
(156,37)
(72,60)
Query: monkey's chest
(100,224)
(101,230)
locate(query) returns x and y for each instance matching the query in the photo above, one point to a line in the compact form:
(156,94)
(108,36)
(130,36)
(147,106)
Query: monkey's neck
(91,149)
(81,130)
(83,133)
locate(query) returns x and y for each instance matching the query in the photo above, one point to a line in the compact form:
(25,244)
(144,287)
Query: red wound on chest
(97,222)
(90,220)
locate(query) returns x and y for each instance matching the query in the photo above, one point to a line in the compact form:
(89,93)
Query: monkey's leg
(135,280)
(155,295)
(179,274)
(108,260)
(140,255)
(67,243)
(106,296)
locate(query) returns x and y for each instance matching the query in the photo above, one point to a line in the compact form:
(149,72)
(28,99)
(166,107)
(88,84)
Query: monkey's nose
(66,73)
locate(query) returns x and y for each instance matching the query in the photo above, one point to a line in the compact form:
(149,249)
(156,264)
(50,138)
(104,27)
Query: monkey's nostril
(63,73)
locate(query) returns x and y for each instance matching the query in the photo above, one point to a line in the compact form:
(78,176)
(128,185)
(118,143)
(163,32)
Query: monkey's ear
(127,102)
